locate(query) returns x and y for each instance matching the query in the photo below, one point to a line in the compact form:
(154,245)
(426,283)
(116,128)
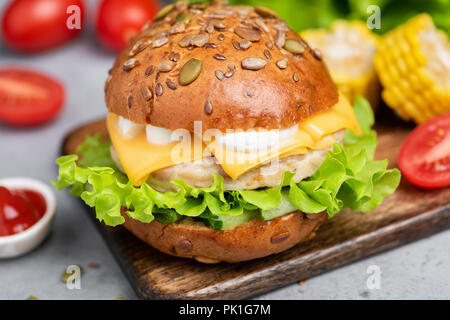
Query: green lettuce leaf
(348,178)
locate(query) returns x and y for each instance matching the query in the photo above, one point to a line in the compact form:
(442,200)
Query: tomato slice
(424,158)
(28,98)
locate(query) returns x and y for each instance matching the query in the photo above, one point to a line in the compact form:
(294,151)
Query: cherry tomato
(424,158)
(28,98)
(35,25)
(120,20)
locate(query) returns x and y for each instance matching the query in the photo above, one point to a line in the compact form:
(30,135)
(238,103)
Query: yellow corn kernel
(348,48)
(413,64)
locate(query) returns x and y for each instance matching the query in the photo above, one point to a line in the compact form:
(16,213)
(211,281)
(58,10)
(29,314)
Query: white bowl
(23,242)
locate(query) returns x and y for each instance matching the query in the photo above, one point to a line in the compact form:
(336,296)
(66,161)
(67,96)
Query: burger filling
(199,173)
(322,164)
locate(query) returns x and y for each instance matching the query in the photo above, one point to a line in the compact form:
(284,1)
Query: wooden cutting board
(405,216)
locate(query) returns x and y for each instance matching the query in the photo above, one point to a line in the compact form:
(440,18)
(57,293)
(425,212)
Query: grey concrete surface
(415,271)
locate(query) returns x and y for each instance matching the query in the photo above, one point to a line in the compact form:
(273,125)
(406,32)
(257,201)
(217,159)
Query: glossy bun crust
(144,84)
(254,239)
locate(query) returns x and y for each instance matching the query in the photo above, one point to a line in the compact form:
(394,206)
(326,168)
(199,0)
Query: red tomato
(28,98)
(424,158)
(36,25)
(120,20)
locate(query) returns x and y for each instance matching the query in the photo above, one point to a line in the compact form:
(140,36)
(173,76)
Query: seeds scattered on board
(269,45)
(208,107)
(266,12)
(293,46)
(221,37)
(146,93)
(317,54)
(219,75)
(160,41)
(253,63)
(283,63)
(163,12)
(190,71)
(219,57)
(171,85)
(245,44)
(130,101)
(159,89)
(130,64)
(166,66)
(295,77)
(149,71)
(267,54)
(280,39)
(251,34)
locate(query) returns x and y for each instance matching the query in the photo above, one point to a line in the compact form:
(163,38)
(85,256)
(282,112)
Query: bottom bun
(255,239)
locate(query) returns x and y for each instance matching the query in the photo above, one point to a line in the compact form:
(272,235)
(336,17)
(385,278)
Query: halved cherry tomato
(36,25)
(424,158)
(28,98)
(120,20)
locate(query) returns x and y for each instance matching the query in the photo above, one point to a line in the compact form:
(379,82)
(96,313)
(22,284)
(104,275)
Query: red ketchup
(19,210)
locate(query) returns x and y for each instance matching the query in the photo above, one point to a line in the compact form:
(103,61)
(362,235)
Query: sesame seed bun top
(232,67)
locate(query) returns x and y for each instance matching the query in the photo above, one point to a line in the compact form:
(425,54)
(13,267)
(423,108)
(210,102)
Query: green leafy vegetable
(307,14)
(348,178)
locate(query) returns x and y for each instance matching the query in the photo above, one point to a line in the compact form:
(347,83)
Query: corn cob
(348,48)
(413,63)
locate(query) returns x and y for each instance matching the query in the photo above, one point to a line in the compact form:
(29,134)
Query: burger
(228,140)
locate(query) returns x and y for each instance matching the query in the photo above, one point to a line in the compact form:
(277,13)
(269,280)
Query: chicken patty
(199,173)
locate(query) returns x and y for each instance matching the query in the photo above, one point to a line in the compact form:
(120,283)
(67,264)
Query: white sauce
(157,135)
(129,129)
(251,141)
(245,141)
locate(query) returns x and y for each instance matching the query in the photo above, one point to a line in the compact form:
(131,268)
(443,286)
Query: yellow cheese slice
(314,133)
(139,158)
